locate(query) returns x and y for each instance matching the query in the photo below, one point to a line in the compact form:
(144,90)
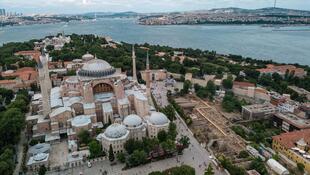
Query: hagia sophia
(98,96)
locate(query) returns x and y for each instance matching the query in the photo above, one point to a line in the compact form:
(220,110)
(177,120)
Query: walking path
(20,149)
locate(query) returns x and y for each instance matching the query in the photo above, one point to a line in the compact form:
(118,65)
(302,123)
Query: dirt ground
(58,154)
(212,126)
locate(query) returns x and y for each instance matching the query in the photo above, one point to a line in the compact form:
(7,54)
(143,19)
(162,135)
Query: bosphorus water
(285,45)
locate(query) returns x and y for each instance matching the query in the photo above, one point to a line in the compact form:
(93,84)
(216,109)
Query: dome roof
(96,68)
(301,142)
(80,120)
(115,131)
(88,56)
(158,118)
(132,120)
(40,157)
(96,65)
(39,148)
(72,79)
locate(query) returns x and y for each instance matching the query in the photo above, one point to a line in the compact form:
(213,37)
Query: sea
(280,44)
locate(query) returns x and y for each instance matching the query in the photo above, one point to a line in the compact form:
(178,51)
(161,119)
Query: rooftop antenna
(275,4)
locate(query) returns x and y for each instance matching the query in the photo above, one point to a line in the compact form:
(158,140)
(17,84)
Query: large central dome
(96,68)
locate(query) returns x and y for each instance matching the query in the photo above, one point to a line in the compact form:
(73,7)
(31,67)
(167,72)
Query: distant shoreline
(248,40)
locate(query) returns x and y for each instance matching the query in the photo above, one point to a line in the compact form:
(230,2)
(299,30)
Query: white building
(136,127)
(156,122)
(115,135)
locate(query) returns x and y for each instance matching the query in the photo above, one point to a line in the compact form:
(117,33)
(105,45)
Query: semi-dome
(158,118)
(132,120)
(96,68)
(39,148)
(115,131)
(40,157)
(72,80)
(80,121)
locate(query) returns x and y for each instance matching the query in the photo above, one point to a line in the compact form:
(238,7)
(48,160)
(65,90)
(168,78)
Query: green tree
(42,170)
(168,145)
(301,167)
(6,94)
(186,86)
(131,145)
(232,169)
(121,157)
(169,112)
(111,154)
(6,162)
(137,157)
(95,149)
(172,132)
(11,123)
(156,173)
(243,154)
(209,170)
(252,73)
(49,48)
(230,103)
(20,104)
(276,157)
(184,140)
(211,89)
(84,137)
(182,170)
(162,136)
(227,83)
(259,166)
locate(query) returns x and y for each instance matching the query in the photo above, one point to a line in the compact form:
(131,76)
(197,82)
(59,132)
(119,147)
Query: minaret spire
(45,83)
(147,60)
(148,74)
(134,70)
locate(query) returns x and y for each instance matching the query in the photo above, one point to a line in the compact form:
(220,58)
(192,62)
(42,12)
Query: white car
(89,165)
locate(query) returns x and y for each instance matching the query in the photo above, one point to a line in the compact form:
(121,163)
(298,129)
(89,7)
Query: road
(199,156)
(20,150)
(160,93)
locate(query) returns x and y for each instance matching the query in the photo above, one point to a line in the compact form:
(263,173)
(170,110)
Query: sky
(81,6)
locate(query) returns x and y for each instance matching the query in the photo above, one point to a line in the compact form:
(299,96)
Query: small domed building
(115,135)
(136,126)
(79,123)
(156,122)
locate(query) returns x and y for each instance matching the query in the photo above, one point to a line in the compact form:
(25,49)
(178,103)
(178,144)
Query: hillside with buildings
(263,16)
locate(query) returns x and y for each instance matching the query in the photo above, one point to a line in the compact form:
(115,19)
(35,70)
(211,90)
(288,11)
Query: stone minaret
(134,70)
(148,75)
(45,83)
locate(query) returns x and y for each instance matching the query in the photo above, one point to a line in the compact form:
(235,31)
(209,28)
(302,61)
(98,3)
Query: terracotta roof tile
(244,84)
(289,139)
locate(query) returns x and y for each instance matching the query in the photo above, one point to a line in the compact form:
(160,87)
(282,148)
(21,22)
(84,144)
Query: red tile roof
(33,53)
(243,84)
(25,73)
(289,139)
(7,82)
(282,69)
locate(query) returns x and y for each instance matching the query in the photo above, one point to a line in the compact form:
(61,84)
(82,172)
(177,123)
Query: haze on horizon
(82,6)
